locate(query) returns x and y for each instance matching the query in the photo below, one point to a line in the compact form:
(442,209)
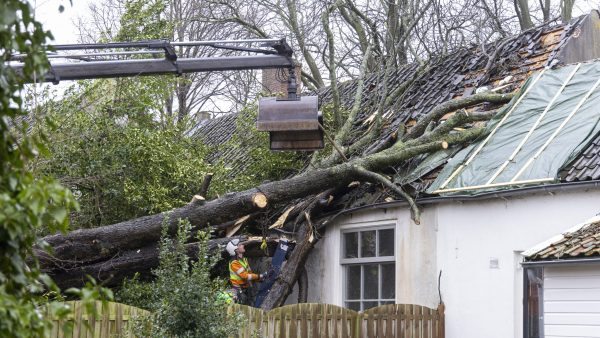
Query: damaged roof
(548,124)
(459,74)
(580,241)
(503,67)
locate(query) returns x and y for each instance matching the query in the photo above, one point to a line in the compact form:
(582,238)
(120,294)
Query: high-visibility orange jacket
(240,273)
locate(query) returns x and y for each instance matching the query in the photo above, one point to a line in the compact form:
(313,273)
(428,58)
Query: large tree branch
(293,23)
(449,106)
(343,134)
(98,244)
(289,274)
(337,116)
(378,178)
(142,261)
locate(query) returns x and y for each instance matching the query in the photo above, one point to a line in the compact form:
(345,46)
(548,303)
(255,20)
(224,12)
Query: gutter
(548,188)
(578,261)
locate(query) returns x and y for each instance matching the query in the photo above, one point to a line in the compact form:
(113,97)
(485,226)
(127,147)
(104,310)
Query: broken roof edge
(577,245)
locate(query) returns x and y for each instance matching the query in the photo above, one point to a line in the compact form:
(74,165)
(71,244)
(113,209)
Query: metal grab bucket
(293,124)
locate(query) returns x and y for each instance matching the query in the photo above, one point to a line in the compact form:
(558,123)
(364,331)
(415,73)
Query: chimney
(274,81)
(203,115)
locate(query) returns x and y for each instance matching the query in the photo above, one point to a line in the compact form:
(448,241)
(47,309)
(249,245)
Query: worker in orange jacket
(240,273)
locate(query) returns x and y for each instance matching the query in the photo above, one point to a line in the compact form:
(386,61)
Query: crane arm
(280,56)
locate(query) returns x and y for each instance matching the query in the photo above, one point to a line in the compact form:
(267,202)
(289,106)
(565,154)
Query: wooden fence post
(111,319)
(441,325)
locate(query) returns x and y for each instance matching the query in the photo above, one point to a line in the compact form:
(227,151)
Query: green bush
(182,297)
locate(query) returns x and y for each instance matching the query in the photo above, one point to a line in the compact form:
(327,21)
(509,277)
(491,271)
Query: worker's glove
(262,276)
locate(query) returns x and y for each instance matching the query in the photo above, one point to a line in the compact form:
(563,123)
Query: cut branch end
(259,200)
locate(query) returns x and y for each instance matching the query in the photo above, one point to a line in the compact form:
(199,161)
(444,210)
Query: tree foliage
(125,165)
(121,168)
(122,153)
(183,298)
(27,202)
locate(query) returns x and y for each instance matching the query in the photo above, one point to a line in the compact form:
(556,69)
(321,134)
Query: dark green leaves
(27,203)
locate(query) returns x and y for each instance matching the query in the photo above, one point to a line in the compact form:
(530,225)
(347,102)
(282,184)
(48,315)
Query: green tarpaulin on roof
(556,114)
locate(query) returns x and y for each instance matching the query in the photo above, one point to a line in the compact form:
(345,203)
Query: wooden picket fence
(111,320)
(326,320)
(290,321)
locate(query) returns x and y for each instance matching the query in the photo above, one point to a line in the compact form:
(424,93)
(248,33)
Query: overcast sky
(62,24)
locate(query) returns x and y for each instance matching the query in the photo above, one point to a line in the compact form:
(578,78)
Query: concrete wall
(475,245)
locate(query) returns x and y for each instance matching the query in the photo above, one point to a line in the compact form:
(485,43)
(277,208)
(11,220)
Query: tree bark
(337,114)
(522,10)
(205,185)
(290,272)
(303,286)
(142,261)
(315,74)
(566,10)
(98,244)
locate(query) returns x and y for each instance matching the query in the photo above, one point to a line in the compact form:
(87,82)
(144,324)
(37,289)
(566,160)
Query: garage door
(572,301)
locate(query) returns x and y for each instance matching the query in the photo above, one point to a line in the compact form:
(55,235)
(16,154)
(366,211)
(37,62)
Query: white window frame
(346,262)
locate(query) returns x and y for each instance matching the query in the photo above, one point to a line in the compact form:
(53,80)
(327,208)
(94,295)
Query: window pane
(351,245)
(388,281)
(385,302)
(368,305)
(353,282)
(371,281)
(367,245)
(386,242)
(353,306)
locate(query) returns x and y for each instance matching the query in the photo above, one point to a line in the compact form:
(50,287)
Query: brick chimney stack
(275,80)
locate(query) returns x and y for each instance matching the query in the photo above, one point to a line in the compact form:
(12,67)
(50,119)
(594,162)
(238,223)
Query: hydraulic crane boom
(294,123)
(89,66)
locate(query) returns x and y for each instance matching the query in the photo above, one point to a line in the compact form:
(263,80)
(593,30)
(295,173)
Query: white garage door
(572,301)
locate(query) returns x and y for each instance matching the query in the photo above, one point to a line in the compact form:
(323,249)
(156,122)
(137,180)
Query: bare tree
(566,9)
(192,94)
(522,11)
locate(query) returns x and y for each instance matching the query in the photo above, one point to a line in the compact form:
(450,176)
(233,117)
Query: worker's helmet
(232,246)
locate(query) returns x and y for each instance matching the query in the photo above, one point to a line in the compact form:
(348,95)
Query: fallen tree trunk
(114,252)
(142,261)
(292,270)
(303,286)
(97,244)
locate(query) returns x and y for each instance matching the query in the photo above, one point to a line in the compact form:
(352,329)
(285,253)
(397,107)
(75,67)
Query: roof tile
(582,242)
(419,90)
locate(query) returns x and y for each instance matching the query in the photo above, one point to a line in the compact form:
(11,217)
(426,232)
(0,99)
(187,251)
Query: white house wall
(476,246)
